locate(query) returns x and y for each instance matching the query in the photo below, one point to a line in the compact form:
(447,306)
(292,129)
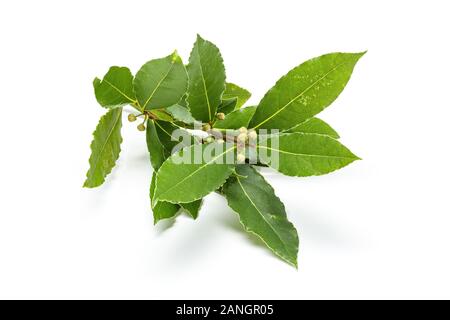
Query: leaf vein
(259,211)
(301,94)
(157,86)
(305,154)
(119,91)
(96,161)
(204,86)
(197,170)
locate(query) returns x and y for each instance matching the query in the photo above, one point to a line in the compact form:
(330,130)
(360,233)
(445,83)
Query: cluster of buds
(244,137)
(133,118)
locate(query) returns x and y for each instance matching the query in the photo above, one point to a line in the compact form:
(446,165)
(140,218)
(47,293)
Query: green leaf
(105,148)
(154,146)
(158,154)
(192,207)
(236,119)
(315,125)
(305,91)
(116,88)
(162,210)
(161,83)
(181,113)
(169,140)
(183,102)
(188,176)
(304,154)
(165,131)
(206,80)
(261,212)
(227,106)
(162,115)
(233,91)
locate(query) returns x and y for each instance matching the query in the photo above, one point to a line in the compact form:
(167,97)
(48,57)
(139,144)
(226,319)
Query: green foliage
(155,147)
(173,99)
(233,91)
(305,91)
(116,88)
(315,125)
(190,181)
(304,154)
(236,119)
(193,207)
(161,209)
(181,113)
(158,154)
(161,83)
(105,148)
(261,212)
(206,80)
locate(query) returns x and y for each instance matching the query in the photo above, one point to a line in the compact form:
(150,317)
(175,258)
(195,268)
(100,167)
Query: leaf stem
(239,175)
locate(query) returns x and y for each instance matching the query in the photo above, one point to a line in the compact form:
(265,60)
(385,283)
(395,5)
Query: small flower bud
(240,158)
(243,130)
(242,137)
(252,135)
(206,127)
(221,116)
(141,127)
(131,117)
(209,139)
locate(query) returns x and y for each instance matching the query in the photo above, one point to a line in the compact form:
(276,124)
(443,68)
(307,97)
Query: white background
(379,228)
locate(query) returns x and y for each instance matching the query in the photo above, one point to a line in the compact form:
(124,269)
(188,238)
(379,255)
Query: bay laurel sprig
(191,109)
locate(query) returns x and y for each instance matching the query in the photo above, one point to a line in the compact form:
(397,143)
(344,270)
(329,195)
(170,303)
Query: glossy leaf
(105,148)
(162,210)
(116,88)
(236,119)
(261,212)
(188,176)
(305,91)
(181,113)
(206,80)
(161,83)
(315,125)
(172,137)
(227,106)
(233,91)
(304,154)
(155,146)
(192,208)
(162,115)
(158,154)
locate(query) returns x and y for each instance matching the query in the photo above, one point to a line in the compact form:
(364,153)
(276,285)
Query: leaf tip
(88,185)
(96,83)
(360,54)
(193,216)
(175,56)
